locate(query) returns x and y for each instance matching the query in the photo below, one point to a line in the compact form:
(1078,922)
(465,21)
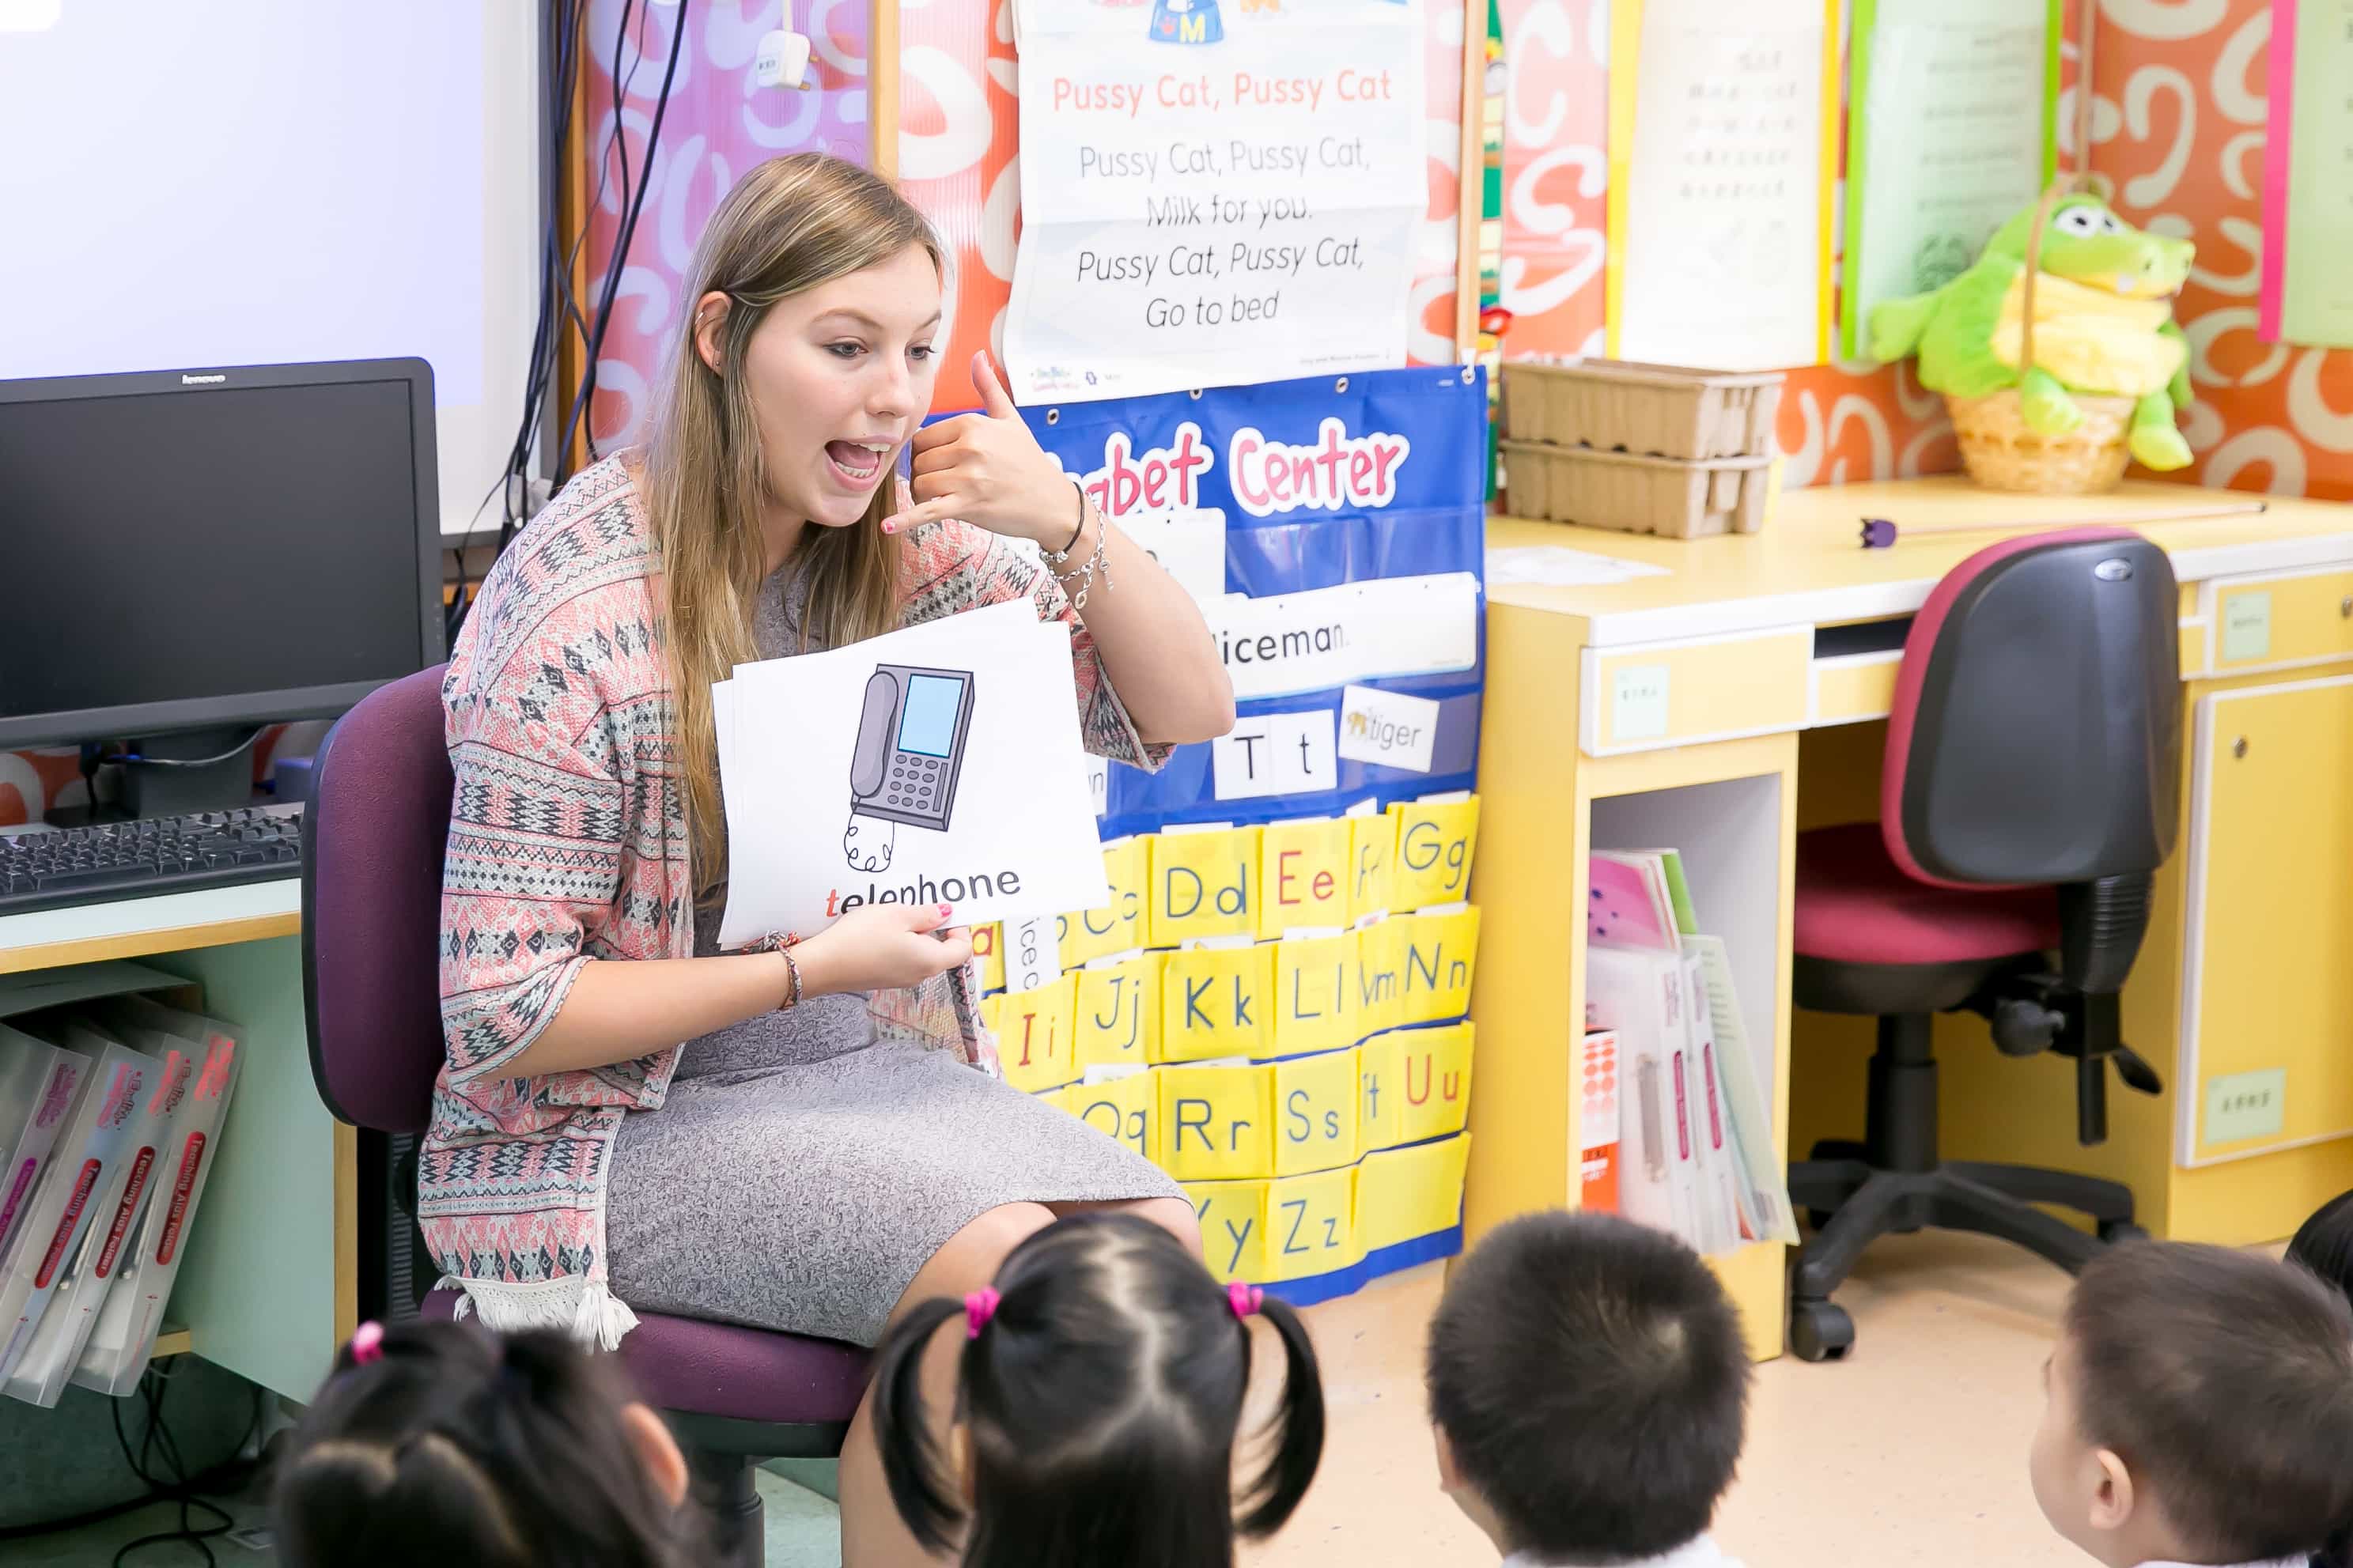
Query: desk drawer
(1651,696)
(1850,687)
(2268,622)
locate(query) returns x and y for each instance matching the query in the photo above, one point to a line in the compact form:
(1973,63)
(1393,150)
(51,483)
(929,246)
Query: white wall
(194,182)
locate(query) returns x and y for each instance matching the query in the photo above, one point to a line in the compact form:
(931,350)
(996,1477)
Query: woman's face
(839,374)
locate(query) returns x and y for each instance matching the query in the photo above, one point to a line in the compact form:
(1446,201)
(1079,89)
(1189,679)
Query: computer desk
(1721,709)
(269,1285)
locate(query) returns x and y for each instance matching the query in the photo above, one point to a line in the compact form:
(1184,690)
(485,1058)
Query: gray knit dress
(846,1160)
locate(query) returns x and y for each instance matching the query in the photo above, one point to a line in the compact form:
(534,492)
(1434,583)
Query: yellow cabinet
(2267,1004)
(2289,618)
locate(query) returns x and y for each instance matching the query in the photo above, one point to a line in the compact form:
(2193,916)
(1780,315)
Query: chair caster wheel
(1820,1331)
(2116,1230)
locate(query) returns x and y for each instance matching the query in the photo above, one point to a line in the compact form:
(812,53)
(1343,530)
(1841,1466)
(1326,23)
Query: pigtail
(911,1463)
(1299,1444)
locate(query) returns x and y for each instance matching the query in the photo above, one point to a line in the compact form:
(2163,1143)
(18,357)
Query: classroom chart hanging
(1214,194)
(937,764)
(1952,128)
(1720,177)
(2306,285)
(1331,530)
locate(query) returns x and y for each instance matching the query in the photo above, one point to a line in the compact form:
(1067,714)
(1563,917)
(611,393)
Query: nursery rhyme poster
(1213,192)
(2307,288)
(1718,198)
(1952,131)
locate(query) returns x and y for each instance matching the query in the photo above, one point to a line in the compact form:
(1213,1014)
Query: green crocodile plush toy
(2103,326)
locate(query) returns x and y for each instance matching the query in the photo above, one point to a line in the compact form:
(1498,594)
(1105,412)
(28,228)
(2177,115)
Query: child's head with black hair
(2324,1247)
(2324,1244)
(2197,1408)
(1590,1388)
(1099,1396)
(446,1443)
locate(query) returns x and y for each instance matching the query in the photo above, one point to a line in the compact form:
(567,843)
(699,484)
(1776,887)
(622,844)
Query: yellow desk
(1722,707)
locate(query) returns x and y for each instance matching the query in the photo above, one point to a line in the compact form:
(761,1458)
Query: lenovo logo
(202,380)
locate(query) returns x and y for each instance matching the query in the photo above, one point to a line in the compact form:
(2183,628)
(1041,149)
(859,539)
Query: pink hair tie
(367,1343)
(978,1308)
(1245,1298)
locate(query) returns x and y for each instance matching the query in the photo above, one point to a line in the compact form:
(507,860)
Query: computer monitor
(211,550)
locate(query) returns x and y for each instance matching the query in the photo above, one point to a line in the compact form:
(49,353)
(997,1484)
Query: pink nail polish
(943,910)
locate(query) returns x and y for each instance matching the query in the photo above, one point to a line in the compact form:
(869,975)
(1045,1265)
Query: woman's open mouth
(860,463)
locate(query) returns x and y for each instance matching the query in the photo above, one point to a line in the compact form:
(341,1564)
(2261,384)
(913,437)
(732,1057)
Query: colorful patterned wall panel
(2179,127)
(719,124)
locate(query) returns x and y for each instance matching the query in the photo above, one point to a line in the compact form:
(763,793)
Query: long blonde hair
(790,225)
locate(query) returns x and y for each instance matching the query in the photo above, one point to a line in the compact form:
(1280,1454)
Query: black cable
(560,306)
(565,20)
(228,1477)
(182,1487)
(151,1391)
(245,745)
(632,208)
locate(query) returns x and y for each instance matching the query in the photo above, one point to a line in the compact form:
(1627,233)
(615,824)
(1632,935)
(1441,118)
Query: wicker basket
(1998,449)
(2002,454)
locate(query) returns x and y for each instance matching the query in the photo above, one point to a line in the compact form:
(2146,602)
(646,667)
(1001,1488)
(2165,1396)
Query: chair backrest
(374,837)
(2036,735)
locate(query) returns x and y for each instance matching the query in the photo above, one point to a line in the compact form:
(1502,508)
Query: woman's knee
(1176,1217)
(970,1258)
(1173,1216)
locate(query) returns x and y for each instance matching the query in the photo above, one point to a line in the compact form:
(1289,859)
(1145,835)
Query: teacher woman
(830,1139)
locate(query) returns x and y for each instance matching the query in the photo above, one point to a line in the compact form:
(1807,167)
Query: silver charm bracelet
(1057,561)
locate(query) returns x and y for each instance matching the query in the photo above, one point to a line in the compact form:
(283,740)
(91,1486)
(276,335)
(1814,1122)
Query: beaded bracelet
(792,968)
(1056,559)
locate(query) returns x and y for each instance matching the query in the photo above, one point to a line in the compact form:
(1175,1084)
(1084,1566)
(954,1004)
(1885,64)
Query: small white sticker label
(1639,702)
(1033,956)
(783,60)
(2245,1105)
(1276,754)
(2247,625)
(1189,543)
(1387,728)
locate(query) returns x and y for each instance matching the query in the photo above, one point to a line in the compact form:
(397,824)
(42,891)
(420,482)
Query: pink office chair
(2029,792)
(379,823)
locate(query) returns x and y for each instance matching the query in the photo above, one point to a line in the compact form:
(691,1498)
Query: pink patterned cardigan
(568,845)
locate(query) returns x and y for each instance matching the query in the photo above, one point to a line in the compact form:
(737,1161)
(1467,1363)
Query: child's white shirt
(1702,1551)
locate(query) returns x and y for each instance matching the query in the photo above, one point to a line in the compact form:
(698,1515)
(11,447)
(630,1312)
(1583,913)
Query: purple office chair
(378,824)
(2030,790)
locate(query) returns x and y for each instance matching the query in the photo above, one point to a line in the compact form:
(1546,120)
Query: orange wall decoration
(2179,128)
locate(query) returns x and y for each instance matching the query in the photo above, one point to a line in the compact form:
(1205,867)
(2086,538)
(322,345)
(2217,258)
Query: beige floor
(1913,1450)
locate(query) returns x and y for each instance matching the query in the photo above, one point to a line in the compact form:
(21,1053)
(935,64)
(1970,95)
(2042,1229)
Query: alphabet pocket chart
(1332,532)
(1271,1003)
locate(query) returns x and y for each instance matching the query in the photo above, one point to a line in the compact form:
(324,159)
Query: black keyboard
(112,860)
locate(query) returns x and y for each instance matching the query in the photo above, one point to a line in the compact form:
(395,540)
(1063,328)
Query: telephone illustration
(910,751)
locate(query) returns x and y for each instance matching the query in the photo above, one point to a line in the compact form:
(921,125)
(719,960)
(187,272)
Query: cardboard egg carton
(1635,493)
(1622,406)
